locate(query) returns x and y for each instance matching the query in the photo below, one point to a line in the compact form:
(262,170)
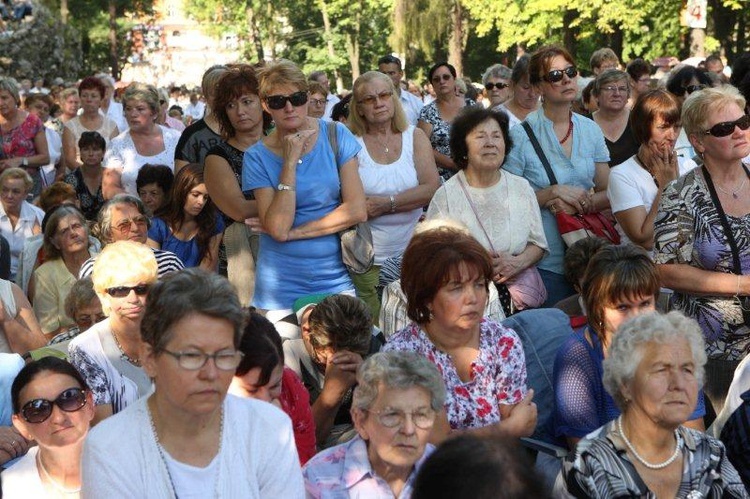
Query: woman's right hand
(12,444)
(663,162)
(295,144)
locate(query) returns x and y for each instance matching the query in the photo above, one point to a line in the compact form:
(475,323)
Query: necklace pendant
(299,161)
(387,150)
(735,196)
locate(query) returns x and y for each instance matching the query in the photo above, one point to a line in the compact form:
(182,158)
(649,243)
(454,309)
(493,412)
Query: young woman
(189,225)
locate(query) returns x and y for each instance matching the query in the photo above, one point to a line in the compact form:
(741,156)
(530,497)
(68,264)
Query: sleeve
(254,174)
(280,474)
(219,224)
(113,156)
(622,191)
(93,373)
(601,153)
(424,114)
(575,393)
(438,207)
(393,309)
(348,145)
(673,228)
(46,299)
(515,161)
(511,377)
(158,230)
(301,414)
(736,438)
(182,151)
(103,476)
(578,477)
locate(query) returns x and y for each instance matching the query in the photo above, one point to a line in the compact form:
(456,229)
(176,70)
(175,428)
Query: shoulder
(88,339)
(170,133)
(496,330)
(260,418)
(118,433)
(516,181)
(407,338)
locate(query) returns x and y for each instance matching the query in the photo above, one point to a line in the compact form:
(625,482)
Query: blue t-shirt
(578,170)
(287,270)
(582,404)
(187,251)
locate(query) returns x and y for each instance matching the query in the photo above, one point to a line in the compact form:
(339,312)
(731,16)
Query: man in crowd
(391,66)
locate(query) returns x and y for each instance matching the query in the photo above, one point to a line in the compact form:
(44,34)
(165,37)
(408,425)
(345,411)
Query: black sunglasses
(277,102)
(727,127)
(693,88)
(500,86)
(39,410)
(557,74)
(437,78)
(123,291)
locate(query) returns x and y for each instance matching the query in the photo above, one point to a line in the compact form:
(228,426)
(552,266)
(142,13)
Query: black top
(623,148)
(234,157)
(195,142)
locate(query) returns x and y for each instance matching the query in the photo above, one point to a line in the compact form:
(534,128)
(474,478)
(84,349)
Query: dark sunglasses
(437,78)
(557,74)
(727,127)
(123,291)
(277,102)
(39,410)
(693,88)
(500,86)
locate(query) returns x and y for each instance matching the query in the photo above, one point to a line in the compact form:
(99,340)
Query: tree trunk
(271,30)
(329,44)
(570,40)
(456,38)
(352,41)
(697,42)
(616,41)
(398,37)
(724,20)
(114,60)
(64,11)
(253,32)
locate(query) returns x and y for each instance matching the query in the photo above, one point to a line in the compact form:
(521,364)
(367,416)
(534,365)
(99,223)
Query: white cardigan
(258,458)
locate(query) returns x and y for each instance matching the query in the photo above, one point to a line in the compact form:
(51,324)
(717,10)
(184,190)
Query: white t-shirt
(192,482)
(631,186)
(29,217)
(412,106)
(22,480)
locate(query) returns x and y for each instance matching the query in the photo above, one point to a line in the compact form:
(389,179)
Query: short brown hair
(430,259)
(614,273)
(317,88)
(541,59)
(601,56)
(649,107)
(235,82)
(281,72)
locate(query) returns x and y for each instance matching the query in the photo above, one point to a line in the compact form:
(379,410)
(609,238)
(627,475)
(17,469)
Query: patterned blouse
(91,202)
(687,230)
(600,467)
(19,142)
(441,132)
(498,375)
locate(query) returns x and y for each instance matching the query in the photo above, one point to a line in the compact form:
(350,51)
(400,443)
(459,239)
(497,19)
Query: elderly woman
(92,91)
(636,185)
(24,141)
(611,90)
(83,306)
(144,142)
(445,278)
(496,80)
(53,406)
(396,402)
(19,219)
(620,282)
(436,117)
(306,193)
(108,354)
(188,438)
(397,171)
(499,209)
(318,99)
(653,372)
(525,97)
(66,247)
(700,233)
(70,103)
(576,151)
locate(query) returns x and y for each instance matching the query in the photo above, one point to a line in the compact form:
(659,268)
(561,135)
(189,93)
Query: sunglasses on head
(437,78)
(557,74)
(727,127)
(693,88)
(277,102)
(500,86)
(123,291)
(39,410)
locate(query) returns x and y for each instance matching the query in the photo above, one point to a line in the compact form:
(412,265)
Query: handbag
(579,226)
(526,288)
(357,251)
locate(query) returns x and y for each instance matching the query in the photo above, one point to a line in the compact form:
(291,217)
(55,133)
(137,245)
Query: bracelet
(393,203)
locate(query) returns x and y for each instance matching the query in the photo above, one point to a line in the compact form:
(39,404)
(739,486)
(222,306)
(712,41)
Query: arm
(12,444)
(23,331)
(41,158)
(508,266)
(599,201)
(638,224)
(210,261)
(179,164)
(341,375)
(69,149)
(112,182)
(418,196)
(101,412)
(688,279)
(224,190)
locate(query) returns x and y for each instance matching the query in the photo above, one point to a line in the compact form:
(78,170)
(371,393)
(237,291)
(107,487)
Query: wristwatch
(25,162)
(285,187)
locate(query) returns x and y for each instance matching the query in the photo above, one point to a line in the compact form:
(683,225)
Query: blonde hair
(17,173)
(67,93)
(356,122)
(697,106)
(123,263)
(142,92)
(281,72)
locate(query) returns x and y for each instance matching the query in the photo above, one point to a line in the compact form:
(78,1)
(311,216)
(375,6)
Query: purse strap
(540,152)
(737,268)
(333,140)
(474,209)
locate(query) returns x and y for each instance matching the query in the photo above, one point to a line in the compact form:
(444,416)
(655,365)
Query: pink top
(19,142)
(295,402)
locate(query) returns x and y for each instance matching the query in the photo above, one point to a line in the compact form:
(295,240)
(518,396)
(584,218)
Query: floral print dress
(441,132)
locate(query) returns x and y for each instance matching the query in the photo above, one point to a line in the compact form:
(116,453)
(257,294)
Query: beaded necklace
(651,466)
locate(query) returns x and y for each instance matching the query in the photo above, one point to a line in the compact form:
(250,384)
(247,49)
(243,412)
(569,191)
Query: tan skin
(91,167)
(11,116)
(146,136)
(70,108)
(91,120)
(613,113)
(379,134)
(722,157)
(525,98)
(449,105)
(22,331)
(12,194)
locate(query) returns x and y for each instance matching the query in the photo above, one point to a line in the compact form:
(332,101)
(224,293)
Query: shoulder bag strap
(333,139)
(540,152)
(473,208)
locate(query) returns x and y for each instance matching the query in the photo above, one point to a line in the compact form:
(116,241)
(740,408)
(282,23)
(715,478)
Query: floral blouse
(441,132)
(687,230)
(19,142)
(498,375)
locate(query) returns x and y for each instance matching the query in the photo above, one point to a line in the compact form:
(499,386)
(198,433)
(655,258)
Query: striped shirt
(166,262)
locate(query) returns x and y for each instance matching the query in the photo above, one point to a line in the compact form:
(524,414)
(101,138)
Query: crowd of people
(275,291)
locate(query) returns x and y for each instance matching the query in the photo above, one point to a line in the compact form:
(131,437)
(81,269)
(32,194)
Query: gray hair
(397,370)
(186,292)
(81,294)
(142,92)
(627,348)
(104,219)
(698,104)
(610,76)
(52,252)
(210,79)
(496,71)
(10,85)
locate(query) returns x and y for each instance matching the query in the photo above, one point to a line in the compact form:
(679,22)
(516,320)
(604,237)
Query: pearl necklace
(657,466)
(59,488)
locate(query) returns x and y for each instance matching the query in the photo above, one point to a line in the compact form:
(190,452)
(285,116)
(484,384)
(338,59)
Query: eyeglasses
(123,291)
(437,78)
(39,410)
(369,100)
(317,102)
(126,224)
(226,360)
(693,88)
(423,419)
(277,102)
(500,86)
(613,89)
(727,127)
(557,74)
